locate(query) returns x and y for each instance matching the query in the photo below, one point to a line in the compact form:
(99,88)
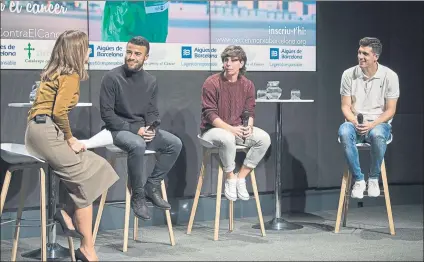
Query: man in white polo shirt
(372,90)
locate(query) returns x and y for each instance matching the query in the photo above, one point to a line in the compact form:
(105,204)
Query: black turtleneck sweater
(128,100)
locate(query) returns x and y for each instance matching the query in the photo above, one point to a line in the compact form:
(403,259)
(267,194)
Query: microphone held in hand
(360,119)
(154,125)
(245,119)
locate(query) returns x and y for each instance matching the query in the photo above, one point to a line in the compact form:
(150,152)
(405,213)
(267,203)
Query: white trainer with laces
(230,189)
(373,188)
(358,189)
(242,190)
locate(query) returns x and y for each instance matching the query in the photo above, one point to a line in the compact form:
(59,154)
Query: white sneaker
(373,188)
(242,190)
(358,189)
(230,189)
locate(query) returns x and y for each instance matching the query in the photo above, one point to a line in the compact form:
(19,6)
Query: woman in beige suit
(85,175)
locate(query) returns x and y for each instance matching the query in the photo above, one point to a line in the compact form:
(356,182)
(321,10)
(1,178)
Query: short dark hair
(140,41)
(374,43)
(235,51)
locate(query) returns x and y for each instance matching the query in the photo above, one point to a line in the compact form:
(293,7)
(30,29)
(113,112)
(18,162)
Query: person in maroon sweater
(225,96)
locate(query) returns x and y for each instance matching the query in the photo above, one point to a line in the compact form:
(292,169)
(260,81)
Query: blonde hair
(68,56)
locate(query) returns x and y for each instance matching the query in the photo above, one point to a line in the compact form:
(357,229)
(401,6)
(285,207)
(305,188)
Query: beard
(135,68)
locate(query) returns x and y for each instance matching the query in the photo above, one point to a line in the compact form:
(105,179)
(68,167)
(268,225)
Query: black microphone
(245,120)
(154,125)
(360,119)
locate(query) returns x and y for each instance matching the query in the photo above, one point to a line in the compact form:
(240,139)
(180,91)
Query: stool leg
(135,223)
(71,248)
(99,215)
(387,198)
(218,202)
(231,215)
(197,194)
(4,190)
(258,202)
(24,188)
(43,215)
(168,215)
(341,200)
(127,216)
(135,229)
(347,197)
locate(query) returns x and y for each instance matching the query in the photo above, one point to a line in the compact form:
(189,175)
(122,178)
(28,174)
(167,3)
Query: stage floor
(366,237)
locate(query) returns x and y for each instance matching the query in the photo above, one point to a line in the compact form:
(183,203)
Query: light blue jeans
(377,137)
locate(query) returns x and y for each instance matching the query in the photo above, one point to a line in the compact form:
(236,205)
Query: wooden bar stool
(208,150)
(116,153)
(17,156)
(347,184)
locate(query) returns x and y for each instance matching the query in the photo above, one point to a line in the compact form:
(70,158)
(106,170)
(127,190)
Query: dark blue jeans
(166,145)
(377,137)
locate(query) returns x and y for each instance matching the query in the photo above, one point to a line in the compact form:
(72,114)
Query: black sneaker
(139,206)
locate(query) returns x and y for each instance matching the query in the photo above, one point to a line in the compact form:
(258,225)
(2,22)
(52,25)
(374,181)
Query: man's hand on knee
(365,127)
(237,131)
(146,133)
(141,131)
(149,135)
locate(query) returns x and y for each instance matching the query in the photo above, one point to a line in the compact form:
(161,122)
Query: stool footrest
(7,221)
(366,194)
(149,203)
(22,226)
(213,196)
(23,219)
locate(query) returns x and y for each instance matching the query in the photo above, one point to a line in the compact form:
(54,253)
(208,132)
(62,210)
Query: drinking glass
(261,94)
(295,94)
(33,92)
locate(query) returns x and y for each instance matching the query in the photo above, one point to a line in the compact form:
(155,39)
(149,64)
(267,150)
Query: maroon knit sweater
(226,100)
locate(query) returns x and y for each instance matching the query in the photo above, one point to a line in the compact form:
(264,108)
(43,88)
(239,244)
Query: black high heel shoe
(80,256)
(68,232)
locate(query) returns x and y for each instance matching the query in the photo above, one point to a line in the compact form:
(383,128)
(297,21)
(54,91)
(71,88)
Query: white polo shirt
(369,94)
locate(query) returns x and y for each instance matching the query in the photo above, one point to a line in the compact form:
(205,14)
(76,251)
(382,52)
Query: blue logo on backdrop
(186,52)
(91,48)
(274,53)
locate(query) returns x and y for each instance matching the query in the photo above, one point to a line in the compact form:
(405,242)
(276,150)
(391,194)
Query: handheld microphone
(154,125)
(245,120)
(360,119)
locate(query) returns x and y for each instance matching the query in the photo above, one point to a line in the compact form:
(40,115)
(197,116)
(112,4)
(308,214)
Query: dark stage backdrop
(312,157)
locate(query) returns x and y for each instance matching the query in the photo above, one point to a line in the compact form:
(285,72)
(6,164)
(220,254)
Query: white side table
(54,250)
(278,223)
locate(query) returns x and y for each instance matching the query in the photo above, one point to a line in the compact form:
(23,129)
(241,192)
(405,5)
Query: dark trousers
(167,147)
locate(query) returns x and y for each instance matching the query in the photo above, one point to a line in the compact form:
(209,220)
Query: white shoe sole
(243,198)
(229,197)
(357,197)
(374,195)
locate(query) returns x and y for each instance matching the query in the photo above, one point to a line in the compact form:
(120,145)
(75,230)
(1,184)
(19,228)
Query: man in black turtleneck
(128,106)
